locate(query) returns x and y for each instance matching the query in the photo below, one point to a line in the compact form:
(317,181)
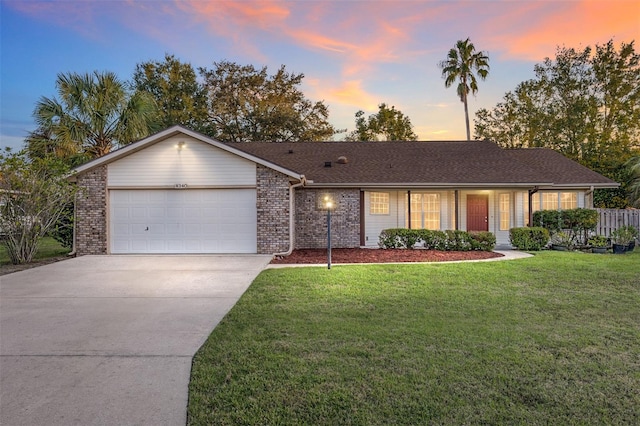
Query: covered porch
(469,209)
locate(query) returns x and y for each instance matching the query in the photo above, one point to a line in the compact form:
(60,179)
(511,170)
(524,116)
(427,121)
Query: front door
(477,212)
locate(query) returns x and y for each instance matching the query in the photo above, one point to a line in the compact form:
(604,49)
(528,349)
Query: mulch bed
(359,255)
(340,255)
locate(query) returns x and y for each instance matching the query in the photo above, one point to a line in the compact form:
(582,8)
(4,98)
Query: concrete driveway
(109,340)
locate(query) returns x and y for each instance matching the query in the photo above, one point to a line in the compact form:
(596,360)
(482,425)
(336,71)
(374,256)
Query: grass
(554,339)
(48,248)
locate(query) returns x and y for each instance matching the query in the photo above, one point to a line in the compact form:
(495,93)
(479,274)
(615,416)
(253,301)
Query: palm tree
(459,67)
(95,114)
(634,181)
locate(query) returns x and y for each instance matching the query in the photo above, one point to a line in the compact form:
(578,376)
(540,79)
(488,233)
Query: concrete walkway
(506,255)
(109,340)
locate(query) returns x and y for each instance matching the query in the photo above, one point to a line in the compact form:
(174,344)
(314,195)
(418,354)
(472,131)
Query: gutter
(311,184)
(589,195)
(292,188)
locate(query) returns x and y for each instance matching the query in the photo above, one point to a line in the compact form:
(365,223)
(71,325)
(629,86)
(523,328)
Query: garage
(147,221)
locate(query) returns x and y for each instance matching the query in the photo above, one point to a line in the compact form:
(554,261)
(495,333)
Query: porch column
(456,210)
(531,192)
(409,208)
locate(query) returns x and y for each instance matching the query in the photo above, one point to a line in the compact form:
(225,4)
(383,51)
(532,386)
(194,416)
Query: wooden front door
(477,212)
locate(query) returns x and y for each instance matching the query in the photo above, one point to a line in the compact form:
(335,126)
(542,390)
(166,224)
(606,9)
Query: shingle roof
(557,167)
(424,163)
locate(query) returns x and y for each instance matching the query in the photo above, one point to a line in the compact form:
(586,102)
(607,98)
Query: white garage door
(183,221)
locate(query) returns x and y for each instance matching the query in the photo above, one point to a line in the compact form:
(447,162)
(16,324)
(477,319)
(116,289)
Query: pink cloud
(533,30)
(351,93)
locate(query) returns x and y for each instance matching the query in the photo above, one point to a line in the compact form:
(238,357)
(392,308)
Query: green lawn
(48,248)
(554,339)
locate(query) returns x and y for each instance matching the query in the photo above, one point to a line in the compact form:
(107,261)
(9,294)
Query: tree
(247,104)
(388,124)
(177,93)
(461,65)
(95,114)
(634,181)
(584,104)
(33,195)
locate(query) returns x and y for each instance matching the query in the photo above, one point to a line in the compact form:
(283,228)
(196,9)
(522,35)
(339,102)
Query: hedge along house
(181,192)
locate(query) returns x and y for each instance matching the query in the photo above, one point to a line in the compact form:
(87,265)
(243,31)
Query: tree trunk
(466,117)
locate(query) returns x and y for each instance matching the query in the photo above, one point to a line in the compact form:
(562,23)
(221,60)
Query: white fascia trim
(172,131)
(425,185)
(586,186)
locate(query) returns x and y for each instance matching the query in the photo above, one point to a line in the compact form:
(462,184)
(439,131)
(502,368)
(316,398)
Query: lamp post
(328,204)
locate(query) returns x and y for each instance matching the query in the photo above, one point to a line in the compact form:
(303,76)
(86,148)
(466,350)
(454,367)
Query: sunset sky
(354,54)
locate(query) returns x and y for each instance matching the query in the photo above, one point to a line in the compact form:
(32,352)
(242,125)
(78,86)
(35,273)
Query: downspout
(589,194)
(292,188)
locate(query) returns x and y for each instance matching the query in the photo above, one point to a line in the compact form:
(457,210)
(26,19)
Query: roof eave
(583,185)
(400,185)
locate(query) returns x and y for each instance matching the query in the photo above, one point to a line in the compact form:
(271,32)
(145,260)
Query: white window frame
(426,210)
(572,203)
(379,203)
(504,207)
(549,201)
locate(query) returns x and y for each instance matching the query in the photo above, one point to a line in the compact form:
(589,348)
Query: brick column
(91,212)
(273,210)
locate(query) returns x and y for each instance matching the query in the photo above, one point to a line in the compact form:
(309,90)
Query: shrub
(624,234)
(388,239)
(450,240)
(575,222)
(598,241)
(483,240)
(62,231)
(33,195)
(532,239)
(551,220)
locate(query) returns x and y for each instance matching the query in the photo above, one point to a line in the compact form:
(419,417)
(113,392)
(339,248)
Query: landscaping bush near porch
(533,238)
(576,223)
(552,339)
(450,240)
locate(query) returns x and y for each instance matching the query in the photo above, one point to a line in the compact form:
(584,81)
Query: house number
(180,185)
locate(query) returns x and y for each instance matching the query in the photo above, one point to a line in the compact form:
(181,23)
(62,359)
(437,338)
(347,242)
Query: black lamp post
(329,205)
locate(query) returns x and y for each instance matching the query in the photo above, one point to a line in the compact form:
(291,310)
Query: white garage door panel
(183,221)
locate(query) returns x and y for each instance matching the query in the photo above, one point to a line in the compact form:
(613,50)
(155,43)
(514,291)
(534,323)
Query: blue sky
(354,54)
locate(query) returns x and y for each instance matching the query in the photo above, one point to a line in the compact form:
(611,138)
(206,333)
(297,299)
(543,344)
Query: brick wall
(91,212)
(311,220)
(272,214)
(273,210)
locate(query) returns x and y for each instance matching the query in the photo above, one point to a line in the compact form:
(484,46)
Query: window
(549,201)
(505,212)
(568,200)
(425,211)
(379,203)
(535,202)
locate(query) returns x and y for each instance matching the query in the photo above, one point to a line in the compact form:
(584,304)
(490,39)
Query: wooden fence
(612,219)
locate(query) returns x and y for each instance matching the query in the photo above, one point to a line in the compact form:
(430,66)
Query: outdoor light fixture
(328,204)
(181,145)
